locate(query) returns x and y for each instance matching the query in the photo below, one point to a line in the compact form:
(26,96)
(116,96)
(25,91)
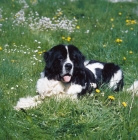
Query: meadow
(103,31)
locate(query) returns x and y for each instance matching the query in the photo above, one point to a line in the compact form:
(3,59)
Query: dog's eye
(60,57)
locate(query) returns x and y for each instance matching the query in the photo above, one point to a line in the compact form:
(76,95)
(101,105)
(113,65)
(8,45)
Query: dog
(65,63)
(67,72)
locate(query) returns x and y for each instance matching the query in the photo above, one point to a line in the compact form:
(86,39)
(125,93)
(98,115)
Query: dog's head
(63,61)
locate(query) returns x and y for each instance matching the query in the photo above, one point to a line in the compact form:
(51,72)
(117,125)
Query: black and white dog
(68,73)
(65,63)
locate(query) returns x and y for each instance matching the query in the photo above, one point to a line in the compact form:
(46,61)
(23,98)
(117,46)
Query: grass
(103,31)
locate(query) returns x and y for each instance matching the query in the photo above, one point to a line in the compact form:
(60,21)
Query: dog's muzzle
(67,74)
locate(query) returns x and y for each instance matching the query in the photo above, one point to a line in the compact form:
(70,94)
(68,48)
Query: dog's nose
(68,66)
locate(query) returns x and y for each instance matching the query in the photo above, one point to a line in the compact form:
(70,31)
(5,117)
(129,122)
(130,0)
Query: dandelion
(60,13)
(119,40)
(113,25)
(78,27)
(127,21)
(63,37)
(40,52)
(124,58)
(119,13)
(68,38)
(131,28)
(97,90)
(133,22)
(111,97)
(124,104)
(130,22)
(130,52)
(0,48)
(12,61)
(111,19)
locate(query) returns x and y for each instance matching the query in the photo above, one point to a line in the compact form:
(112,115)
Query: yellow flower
(130,52)
(111,97)
(124,104)
(129,22)
(119,40)
(13,61)
(124,58)
(0,48)
(120,13)
(40,52)
(112,19)
(131,28)
(1,19)
(68,38)
(113,25)
(63,37)
(78,27)
(60,13)
(133,22)
(97,90)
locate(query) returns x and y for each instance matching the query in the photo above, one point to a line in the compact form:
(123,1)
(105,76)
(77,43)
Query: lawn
(103,31)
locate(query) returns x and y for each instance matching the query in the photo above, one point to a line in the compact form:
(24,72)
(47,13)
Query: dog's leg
(74,89)
(28,102)
(134,88)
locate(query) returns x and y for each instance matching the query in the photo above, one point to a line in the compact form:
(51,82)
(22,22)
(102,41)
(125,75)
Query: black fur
(81,75)
(104,75)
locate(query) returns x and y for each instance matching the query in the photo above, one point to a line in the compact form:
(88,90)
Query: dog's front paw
(74,89)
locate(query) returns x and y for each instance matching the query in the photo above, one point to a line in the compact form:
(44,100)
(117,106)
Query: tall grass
(103,31)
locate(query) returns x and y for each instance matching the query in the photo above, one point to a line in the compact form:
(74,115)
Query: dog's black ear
(48,58)
(81,59)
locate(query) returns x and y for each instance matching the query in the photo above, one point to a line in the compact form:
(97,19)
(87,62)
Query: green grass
(90,118)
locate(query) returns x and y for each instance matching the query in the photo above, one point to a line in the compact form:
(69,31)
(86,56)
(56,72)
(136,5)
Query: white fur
(94,66)
(115,79)
(48,88)
(67,61)
(86,62)
(134,88)
(74,89)
(28,102)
